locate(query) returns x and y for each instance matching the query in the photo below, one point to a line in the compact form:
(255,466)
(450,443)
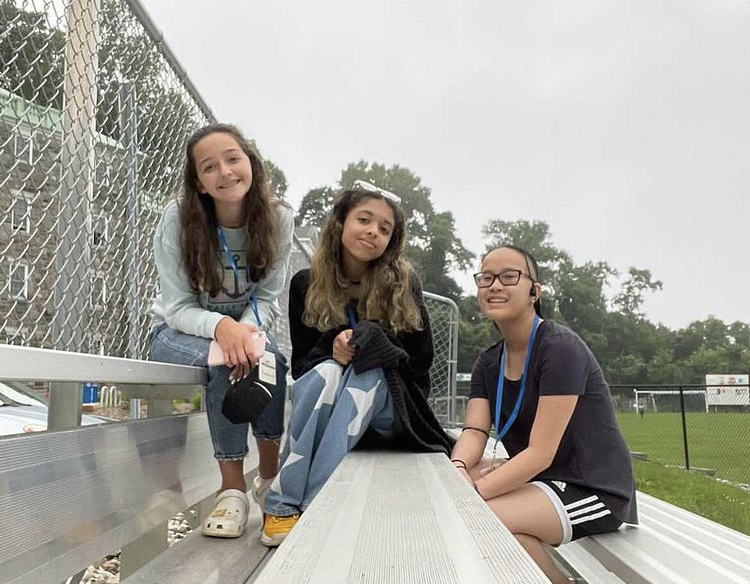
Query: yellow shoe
(276,528)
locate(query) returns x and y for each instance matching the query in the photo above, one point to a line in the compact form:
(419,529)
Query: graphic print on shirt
(233,291)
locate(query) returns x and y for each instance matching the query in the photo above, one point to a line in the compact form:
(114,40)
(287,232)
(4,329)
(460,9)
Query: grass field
(715,441)
(719,502)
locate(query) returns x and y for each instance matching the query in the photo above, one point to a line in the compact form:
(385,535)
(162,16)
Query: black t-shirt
(592,451)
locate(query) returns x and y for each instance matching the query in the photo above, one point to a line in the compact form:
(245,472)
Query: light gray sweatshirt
(185,310)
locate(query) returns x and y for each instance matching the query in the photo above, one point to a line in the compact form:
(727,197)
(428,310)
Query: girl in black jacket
(361,354)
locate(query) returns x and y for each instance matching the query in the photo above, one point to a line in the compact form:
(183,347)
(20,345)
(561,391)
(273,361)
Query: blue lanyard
(501,382)
(233,265)
(352,316)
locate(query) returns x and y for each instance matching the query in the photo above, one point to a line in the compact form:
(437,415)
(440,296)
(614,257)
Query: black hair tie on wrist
(476,430)
(455,460)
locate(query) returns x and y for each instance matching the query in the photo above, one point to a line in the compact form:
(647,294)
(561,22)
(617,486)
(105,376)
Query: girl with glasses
(222,254)
(568,472)
(361,355)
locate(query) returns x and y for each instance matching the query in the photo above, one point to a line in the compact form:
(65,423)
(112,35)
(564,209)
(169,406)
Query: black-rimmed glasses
(506,277)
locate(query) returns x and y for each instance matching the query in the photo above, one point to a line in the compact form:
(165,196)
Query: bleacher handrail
(32,364)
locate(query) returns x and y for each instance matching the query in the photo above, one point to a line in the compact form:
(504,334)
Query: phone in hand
(216,354)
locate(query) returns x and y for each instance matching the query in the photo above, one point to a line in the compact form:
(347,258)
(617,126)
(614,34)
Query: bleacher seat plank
(670,545)
(391,517)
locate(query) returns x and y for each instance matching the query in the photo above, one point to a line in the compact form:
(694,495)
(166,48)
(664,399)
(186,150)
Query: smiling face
(223,169)
(367,231)
(502,302)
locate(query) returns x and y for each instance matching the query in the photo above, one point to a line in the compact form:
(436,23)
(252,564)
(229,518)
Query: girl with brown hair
(222,253)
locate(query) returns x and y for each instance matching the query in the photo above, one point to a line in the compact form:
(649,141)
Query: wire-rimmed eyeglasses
(506,277)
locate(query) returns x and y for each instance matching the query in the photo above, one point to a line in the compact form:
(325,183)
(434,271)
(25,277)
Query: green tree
(32,55)
(276,179)
(315,207)
(533,236)
(475,333)
(580,298)
(663,369)
(630,298)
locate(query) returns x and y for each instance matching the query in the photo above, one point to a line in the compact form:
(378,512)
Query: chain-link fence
(698,427)
(444,320)
(94,115)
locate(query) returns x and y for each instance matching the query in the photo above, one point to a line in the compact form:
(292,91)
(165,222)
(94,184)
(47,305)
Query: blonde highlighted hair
(386,293)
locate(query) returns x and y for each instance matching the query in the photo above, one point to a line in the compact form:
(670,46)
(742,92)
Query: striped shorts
(581,510)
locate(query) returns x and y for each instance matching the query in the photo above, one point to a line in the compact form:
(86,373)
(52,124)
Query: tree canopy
(433,247)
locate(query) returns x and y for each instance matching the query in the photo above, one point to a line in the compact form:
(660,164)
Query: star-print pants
(331,409)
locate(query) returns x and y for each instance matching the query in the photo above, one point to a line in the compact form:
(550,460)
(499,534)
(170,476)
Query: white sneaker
(229,516)
(259,489)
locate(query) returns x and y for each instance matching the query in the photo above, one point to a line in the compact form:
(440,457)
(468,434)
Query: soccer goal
(668,400)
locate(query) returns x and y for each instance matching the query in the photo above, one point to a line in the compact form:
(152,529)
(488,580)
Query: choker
(355,282)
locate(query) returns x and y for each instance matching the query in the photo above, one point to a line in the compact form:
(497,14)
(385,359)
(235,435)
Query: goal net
(668,400)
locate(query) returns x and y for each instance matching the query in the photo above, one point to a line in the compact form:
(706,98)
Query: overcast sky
(624,124)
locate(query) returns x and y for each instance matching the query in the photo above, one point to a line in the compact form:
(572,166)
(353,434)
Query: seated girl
(222,254)
(361,354)
(569,473)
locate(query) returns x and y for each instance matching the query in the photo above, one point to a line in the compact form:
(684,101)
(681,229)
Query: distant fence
(693,426)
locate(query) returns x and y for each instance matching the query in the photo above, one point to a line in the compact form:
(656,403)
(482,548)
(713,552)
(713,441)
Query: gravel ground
(107,570)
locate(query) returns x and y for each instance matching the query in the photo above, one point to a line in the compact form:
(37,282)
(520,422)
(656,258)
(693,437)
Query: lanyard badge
(501,382)
(233,265)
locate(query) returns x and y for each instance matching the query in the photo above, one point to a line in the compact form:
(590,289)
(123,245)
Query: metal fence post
(72,258)
(129,139)
(453,392)
(64,409)
(684,428)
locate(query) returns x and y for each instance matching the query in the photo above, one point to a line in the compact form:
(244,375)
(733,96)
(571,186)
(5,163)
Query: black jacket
(406,359)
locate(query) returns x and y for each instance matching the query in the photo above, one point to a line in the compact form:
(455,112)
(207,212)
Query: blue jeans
(229,440)
(331,410)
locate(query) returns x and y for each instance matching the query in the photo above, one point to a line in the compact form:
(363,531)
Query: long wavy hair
(386,290)
(199,244)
